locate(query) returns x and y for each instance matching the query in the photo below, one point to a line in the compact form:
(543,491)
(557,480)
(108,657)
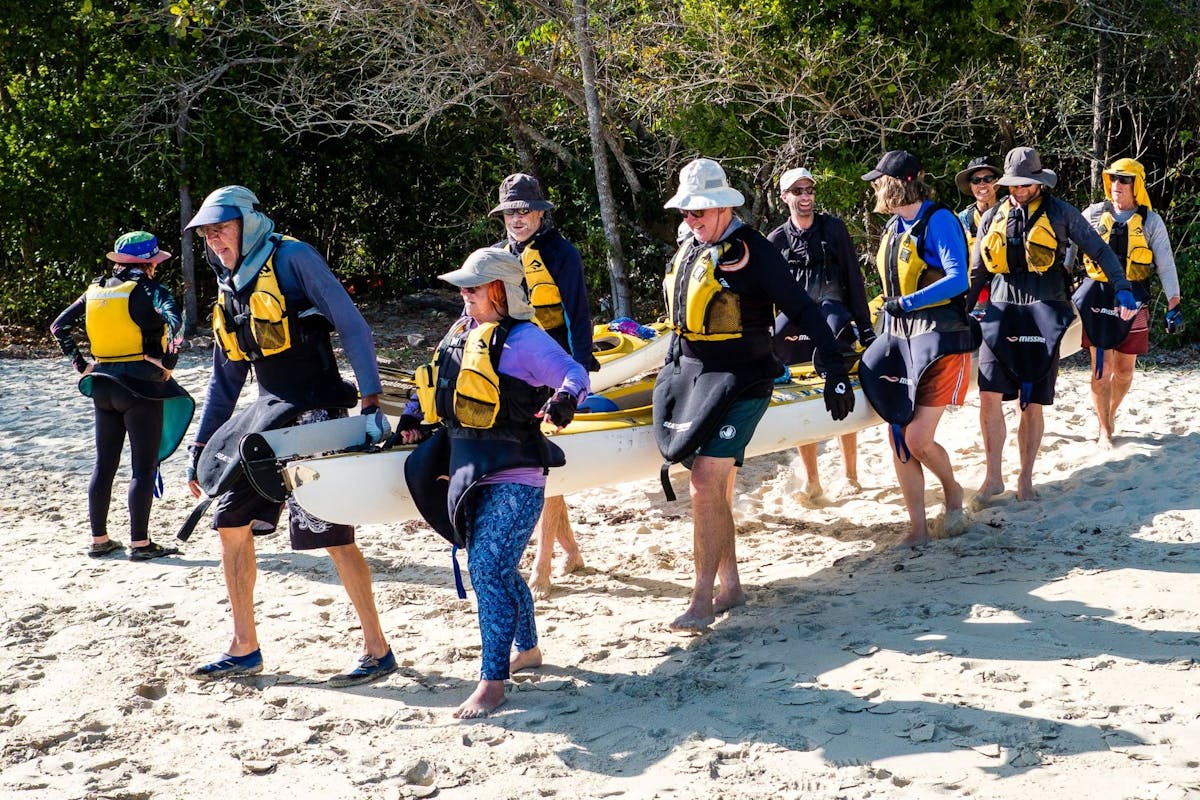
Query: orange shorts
(945,383)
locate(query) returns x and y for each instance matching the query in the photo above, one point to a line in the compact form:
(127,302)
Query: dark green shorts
(735,430)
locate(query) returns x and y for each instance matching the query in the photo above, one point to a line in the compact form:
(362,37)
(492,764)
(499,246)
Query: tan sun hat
(489,264)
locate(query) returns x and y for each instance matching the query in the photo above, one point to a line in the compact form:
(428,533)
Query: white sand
(1046,652)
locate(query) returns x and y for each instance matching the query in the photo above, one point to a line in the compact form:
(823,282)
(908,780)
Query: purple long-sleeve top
(531,355)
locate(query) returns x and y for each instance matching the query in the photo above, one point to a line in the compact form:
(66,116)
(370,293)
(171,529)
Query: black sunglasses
(1125,179)
(978,179)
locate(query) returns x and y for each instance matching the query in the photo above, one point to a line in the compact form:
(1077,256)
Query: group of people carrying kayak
(742,305)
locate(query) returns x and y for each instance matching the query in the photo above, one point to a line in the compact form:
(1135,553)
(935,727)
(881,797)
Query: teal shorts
(735,430)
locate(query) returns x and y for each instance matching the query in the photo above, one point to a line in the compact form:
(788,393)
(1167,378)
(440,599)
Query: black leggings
(119,411)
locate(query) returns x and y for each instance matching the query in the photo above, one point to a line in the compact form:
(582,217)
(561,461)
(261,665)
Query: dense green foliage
(381,138)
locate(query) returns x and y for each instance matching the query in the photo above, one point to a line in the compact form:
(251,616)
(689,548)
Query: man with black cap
(821,258)
(921,362)
(977,181)
(558,292)
(721,288)
(1020,256)
(277,301)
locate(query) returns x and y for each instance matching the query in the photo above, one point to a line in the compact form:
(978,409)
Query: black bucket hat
(963,179)
(521,192)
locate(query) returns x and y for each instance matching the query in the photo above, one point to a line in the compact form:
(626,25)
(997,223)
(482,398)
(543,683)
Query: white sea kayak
(602,449)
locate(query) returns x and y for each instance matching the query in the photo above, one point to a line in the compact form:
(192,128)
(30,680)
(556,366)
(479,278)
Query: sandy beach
(1048,651)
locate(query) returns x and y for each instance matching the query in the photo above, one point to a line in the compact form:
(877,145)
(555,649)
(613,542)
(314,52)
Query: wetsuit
(821,258)
(562,260)
(1029,310)
(131,396)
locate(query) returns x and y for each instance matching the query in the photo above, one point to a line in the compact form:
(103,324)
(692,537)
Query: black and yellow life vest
(1128,240)
(1040,242)
(256,325)
(700,306)
(901,266)
(544,294)
(463,387)
(111,329)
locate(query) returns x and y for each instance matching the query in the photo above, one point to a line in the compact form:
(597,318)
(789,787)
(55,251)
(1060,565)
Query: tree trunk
(187,253)
(1099,119)
(622,297)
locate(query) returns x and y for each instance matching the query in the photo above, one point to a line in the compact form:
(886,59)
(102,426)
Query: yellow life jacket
(901,267)
(1139,258)
(261,326)
(699,306)
(113,334)
(544,294)
(475,402)
(1041,243)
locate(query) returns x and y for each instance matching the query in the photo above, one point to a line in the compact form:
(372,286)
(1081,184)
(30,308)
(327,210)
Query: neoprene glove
(378,426)
(560,409)
(1125,300)
(194,450)
(865,337)
(894,307)
(1175,320)
(839,396)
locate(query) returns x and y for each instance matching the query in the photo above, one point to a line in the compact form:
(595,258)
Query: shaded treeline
(379,130)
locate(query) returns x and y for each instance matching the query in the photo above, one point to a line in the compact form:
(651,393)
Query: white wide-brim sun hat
(702,184)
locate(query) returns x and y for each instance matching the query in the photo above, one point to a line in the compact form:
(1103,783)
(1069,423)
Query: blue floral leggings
(499,526)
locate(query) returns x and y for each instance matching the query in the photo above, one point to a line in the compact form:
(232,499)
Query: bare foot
(912,541)
(1025,491)
(692,624)
(984,495)
(1105,441)
(539,580)
(527,659)
(721,603)
(572,563)
(487,697)
(852,485)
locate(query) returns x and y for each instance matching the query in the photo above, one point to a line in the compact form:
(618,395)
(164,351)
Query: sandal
(150,551)
(104,548)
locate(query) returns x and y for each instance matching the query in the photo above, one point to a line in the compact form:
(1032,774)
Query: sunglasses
(517,212)
(217,229)
(802,191)
(1125,179)
(694,214)
(470,289)
(980,179)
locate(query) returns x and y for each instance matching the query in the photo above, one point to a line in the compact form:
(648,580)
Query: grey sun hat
(521,192)
(789,178)
(1023,166)
(702,184)
(963,179)
(489,264)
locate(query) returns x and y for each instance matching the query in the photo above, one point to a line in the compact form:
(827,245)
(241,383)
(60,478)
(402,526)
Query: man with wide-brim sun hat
(722,288)
(1020,257)
(977,181)
(1136,233)
(134,327)
(558,291)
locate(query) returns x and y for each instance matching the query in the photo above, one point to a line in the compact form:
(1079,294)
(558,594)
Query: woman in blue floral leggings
(493,451)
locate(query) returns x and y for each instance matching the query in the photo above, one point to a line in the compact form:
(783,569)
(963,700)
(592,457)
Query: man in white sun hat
(722,288)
